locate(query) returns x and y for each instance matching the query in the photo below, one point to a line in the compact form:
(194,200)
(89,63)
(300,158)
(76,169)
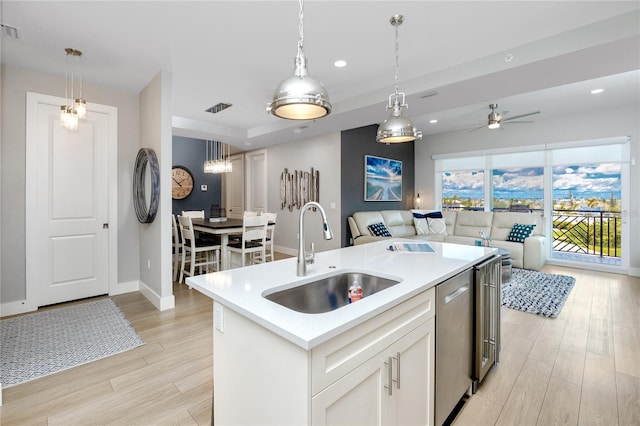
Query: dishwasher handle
(449,297)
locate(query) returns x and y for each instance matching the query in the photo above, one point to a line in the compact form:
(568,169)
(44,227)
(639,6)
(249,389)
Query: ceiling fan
(495,119)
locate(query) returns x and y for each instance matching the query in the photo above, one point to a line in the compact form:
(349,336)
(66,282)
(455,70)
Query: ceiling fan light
(494,125)
(300,97)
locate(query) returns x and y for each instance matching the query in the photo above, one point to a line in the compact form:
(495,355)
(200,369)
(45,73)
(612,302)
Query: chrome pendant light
(396,128)
(300,97)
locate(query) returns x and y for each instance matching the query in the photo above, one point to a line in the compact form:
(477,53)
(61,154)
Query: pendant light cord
(301,29)
(397,85)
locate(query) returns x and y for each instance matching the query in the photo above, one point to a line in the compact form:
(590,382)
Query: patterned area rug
(44,343)
(537,292)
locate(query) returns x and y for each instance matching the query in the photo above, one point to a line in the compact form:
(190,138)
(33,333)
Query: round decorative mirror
(146,185)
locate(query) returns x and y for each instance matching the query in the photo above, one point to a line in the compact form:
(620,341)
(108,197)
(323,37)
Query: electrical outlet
(149,264)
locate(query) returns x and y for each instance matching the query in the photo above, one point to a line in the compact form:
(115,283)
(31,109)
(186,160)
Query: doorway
(71,193)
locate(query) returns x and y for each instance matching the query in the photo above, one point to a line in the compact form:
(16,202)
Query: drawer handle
(397,358)
(449,297)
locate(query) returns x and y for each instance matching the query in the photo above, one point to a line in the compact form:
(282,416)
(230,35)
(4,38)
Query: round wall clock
(182,182)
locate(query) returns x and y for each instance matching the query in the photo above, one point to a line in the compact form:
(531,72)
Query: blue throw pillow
(379,230)
(519,232)
(432,215)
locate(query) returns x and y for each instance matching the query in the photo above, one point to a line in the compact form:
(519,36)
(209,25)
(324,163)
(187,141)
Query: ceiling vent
(10,33)
(218,107)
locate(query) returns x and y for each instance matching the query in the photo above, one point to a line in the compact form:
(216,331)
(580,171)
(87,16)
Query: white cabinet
(395,387)
(261,378)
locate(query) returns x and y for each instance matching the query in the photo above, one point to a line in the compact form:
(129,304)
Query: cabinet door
(359,398)
(413,396)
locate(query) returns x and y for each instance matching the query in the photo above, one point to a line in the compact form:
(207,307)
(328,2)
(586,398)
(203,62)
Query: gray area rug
(537,292)
(44,343)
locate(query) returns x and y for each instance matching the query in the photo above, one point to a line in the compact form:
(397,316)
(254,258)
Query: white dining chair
(200,254)
(253,240)
(271,229)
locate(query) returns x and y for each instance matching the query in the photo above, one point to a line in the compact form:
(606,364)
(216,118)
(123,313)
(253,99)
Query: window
(463,190)
(518,185)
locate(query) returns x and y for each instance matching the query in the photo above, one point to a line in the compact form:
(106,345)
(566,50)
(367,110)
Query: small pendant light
(300,97)
(396,128)
(74,108)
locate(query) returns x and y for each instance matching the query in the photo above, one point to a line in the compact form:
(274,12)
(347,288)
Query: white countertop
(241,289)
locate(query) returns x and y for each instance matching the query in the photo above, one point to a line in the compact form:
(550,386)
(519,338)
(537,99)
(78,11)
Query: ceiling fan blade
(477,128)
(518,122)
(520,116)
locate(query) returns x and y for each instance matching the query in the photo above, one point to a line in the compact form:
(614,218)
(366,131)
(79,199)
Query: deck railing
(594,232)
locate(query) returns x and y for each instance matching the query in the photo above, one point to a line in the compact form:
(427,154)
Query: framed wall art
(382,179)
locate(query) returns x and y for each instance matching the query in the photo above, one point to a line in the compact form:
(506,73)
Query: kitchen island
(274,365)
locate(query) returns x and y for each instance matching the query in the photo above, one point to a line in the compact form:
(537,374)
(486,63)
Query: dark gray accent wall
(355,144)
(191,153)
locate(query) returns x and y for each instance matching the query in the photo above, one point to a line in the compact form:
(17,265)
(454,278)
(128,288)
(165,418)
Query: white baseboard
(634,272)
(161,303)
(15,308)
(125,287)
(285,250)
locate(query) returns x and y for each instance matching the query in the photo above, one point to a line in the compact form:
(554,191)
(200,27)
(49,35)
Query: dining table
(223,228)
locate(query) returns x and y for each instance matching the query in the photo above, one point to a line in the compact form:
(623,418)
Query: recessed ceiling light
(434,121)
(596,91)
(340,63)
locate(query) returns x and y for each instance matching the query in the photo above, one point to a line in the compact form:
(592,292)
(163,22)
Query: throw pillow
(422,227)
(519,232)
(437,225)
(379,230)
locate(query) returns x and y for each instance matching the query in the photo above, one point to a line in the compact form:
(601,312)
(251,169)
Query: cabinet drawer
(338,356)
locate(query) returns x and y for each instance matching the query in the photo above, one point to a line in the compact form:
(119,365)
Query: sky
(597,181)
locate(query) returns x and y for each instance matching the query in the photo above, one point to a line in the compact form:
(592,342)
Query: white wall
(15,83)
(323,154)
(155,237)
(620,121)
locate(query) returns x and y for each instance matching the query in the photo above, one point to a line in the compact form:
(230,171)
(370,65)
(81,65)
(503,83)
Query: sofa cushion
(379,230)
(520,232)
(470,223)
(399,222)
(503,222)
(364,219)
(449,217)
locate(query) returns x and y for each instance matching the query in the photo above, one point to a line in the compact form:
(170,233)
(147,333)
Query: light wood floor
(581,368)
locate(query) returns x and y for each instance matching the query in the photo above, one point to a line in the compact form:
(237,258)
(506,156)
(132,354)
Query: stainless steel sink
(328,293)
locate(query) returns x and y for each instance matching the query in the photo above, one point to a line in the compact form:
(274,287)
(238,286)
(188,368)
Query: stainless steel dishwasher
(454,342)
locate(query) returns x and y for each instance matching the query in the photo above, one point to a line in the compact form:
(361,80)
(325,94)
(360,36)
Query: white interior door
(68,213)
(256,176)
(234,187)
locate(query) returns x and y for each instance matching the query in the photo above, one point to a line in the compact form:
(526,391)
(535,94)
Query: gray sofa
(462,227)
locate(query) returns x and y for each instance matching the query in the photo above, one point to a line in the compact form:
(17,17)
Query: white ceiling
(238,51)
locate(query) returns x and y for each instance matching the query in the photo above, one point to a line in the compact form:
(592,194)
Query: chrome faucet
(303,259)
(485,237)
